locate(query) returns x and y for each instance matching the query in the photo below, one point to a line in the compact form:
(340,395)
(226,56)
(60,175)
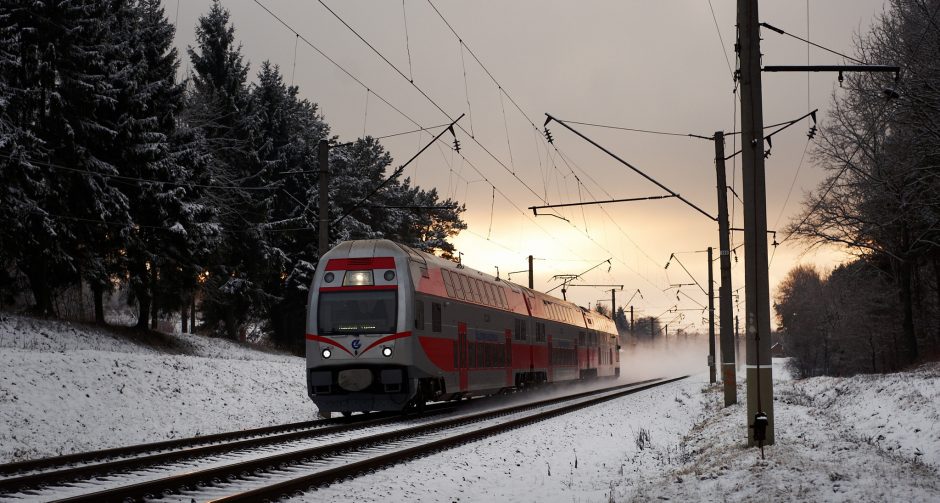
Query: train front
(358,339)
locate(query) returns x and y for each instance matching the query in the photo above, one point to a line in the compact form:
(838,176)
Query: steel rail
(223,442)
(326,477)
(233,471)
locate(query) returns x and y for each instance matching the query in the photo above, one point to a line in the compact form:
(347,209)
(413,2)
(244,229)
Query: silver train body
(389,327)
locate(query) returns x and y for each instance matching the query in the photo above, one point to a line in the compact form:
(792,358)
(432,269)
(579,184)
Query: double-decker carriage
(390,327)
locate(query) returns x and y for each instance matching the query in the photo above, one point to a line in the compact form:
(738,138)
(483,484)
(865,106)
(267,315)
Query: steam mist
(670,356)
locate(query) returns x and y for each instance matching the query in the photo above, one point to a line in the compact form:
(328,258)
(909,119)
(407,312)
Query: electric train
(390,328)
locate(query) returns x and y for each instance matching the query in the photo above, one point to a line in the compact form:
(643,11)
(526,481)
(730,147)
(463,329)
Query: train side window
(465,285)
(475,287)
(448,283)
(502,297)
(419,314)
(487,294)
(480,361)
(435,317)
(478,290)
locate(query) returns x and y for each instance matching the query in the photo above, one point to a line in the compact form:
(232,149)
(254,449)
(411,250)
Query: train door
(507,362)
(550,360)
(462,352)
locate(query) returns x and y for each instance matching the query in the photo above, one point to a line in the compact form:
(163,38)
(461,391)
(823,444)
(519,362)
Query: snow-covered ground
(69,387)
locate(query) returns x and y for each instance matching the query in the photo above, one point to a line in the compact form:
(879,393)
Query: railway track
(275,465)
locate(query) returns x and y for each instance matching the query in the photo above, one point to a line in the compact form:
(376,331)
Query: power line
(427,97)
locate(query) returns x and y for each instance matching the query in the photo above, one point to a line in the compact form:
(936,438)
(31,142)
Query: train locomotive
(391,328)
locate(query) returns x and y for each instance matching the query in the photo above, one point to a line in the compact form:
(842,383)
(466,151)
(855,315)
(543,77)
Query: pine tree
(63,202)
(222,108)
(173,233)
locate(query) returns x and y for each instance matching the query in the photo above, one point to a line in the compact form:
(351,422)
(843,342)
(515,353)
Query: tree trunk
(905,274)
(192,314)
(153,296)
(97,292)
(143,309)
(936,278)
(184,315)
(36,271)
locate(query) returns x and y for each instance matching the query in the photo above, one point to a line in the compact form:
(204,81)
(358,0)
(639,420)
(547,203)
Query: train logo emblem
(356,344)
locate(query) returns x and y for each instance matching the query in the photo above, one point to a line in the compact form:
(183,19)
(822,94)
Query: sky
(653,65)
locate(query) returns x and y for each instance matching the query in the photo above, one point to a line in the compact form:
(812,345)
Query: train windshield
(357,312)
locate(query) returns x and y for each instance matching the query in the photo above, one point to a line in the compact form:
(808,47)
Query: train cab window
(435,317)
(419,314)
(357,312)
(448,283)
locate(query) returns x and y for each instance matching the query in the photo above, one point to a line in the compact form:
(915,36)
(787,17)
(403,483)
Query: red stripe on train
(327,340)
(387,338)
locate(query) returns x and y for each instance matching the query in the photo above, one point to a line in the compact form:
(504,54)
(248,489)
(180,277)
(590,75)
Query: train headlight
(387,351)
(389,275)
(327,353)
(328,277)
(358,278)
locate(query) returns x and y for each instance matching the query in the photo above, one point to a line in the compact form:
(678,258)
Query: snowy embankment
(868,438)
(69,387)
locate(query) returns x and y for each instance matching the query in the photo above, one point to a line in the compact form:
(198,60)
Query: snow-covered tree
(65,208)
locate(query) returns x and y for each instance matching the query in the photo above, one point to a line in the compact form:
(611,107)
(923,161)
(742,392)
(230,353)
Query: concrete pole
(757,290)
(711,319)
(613,304)
(631,319)
(728,374)
(323,165)
(531,279)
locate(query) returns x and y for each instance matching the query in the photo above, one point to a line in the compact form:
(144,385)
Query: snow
(69,387)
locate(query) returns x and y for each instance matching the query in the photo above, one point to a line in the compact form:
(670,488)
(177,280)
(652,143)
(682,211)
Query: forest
(193,196)
(880,201)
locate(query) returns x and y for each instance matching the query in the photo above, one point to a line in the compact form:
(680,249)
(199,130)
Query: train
(390,328)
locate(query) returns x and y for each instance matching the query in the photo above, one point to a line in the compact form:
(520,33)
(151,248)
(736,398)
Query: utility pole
(531,281)
(728,376)
(711,320)
(613,304)
(631,319)
(760,403)
(323,162)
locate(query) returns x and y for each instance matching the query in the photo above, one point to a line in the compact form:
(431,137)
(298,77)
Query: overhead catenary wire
(427,96)
(436,105)
(409,118)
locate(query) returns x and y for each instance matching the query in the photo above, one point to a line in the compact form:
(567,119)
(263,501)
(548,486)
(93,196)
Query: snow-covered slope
(68,387)
(869,438)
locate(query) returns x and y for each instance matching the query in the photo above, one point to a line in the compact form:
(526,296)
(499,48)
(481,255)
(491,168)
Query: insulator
(456,145)
(812,133)
(548,136)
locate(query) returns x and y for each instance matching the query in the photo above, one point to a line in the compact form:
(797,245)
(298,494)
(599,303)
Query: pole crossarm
(397,172)
(896,70)
(535,209)
(568,277)
(620,287)
(632,167)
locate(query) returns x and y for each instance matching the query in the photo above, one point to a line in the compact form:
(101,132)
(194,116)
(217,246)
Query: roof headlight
(387,351)
(326,353)
(358,278)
